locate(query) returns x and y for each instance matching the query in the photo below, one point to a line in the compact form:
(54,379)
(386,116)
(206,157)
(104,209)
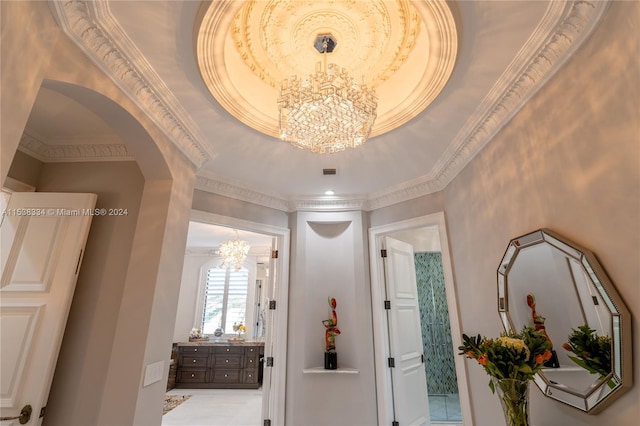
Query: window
(225,299)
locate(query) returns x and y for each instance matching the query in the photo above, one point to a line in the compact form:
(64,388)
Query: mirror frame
(621,337)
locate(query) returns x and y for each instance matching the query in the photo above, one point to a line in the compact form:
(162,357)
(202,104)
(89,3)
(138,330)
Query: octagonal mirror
(558,287)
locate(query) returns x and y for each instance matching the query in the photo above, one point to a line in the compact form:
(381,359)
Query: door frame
(275,346)
(380,329)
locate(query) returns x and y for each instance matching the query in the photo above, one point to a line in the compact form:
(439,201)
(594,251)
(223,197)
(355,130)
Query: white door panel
(405,336)
(42,237)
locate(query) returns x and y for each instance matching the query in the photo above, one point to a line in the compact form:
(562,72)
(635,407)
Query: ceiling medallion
(403,49)
(327,111)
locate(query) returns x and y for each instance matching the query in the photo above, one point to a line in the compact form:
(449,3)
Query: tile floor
(445,409)
(216,407)
(243,407)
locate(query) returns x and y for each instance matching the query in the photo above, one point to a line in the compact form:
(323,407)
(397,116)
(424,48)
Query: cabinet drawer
(223,375)
(231,361)
(194,350)
(229,350)
(252,350)
(186,361)
(192,376)
(251,361)
(250,375)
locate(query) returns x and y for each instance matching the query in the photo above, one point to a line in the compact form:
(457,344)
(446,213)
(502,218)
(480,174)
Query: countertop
(223,343)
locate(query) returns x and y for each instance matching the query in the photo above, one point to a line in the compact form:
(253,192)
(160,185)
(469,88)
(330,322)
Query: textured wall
(569,161)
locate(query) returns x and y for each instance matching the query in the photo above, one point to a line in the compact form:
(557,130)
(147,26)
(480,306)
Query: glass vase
(514,398)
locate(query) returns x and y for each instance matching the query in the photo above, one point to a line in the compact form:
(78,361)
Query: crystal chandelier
(233,252)
(328,111)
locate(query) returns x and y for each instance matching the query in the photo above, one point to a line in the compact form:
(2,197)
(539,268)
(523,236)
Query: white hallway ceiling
(506,51)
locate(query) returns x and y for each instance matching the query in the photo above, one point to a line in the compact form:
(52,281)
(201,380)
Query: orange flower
(470,354)
(544,356)
(483,359)
(567,347)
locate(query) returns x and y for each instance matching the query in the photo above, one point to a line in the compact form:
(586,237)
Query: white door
(410,400)
(268,405)
(42,238)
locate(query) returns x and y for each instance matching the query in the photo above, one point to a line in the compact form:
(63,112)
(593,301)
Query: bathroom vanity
(219,365)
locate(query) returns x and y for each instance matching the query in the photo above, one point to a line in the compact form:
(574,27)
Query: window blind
(225,299)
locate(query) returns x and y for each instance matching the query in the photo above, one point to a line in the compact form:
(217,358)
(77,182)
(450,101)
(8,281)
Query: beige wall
(568,161)
(225,206)
(83,362)
(432,203)
(24,58)
(25,169)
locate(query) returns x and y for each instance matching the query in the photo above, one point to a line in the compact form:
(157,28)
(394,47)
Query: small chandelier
(329,111)
(233,252)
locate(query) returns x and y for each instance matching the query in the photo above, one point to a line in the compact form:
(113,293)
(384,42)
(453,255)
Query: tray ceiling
(504,52)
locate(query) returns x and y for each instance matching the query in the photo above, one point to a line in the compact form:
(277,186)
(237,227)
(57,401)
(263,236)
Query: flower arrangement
(516,356)
(239,328)
(195,334)
(592,352)
(511,361)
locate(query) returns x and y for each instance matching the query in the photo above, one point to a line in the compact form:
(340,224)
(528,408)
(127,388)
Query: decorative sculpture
(538,325)
(330,333)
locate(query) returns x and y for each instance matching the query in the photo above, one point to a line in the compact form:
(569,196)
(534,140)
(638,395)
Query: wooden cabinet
(219,366)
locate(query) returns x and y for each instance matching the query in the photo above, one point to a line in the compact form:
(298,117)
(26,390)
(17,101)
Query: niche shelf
(322,370)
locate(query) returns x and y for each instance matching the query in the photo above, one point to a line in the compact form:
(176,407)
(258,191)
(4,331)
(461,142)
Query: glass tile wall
(436,336)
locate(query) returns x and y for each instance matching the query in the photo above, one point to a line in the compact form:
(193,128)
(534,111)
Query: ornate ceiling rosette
(405,49)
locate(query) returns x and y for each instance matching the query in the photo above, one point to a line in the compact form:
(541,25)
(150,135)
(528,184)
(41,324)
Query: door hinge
(79,260)
(422,358)
(392,362)
(595,300)
(395,423)
(274,254)
(272,305)
(42,410)
(387,304)
(383,253)
(269,361)
(267,422)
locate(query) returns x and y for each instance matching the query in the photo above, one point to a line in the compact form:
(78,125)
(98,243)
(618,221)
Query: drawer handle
(193,375)
(194,360)
(250,375)
(226,360)
(227,349)
(195,350)
(226,375)
(250,360)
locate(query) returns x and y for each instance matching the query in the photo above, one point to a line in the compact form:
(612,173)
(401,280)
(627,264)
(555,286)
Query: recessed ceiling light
(329,192)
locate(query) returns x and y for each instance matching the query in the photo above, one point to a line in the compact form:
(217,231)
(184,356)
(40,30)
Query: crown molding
(563,29)
(93,29)
(228,188)
(36,148)
(328,204)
